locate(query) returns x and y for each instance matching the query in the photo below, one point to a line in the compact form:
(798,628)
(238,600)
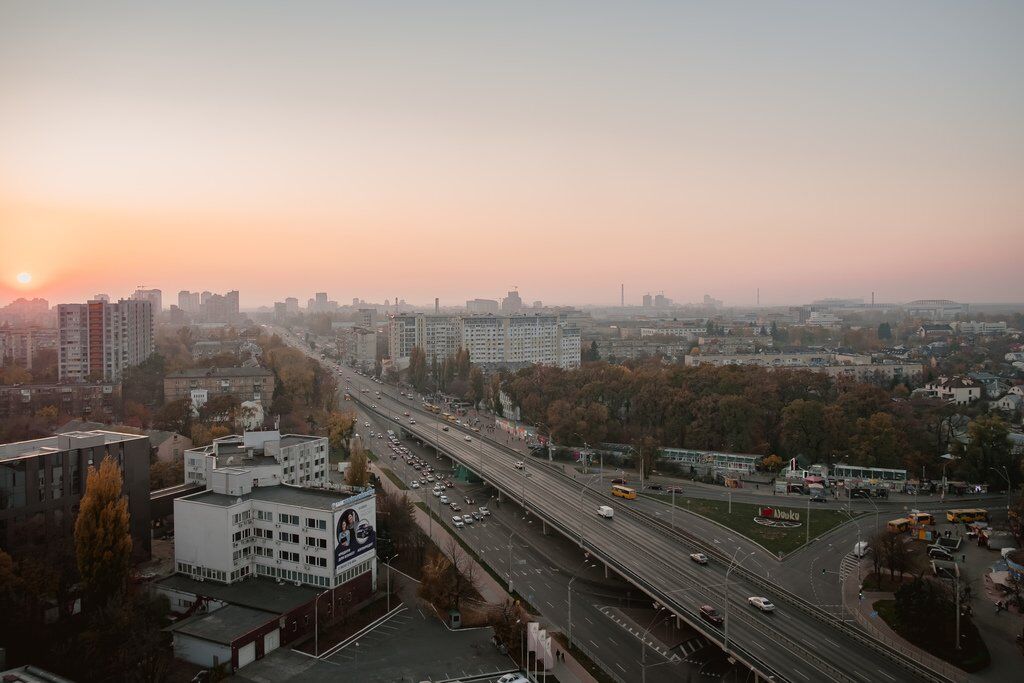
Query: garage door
(271,641)
(246,654)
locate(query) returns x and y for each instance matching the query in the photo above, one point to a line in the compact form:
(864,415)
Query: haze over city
(457,151)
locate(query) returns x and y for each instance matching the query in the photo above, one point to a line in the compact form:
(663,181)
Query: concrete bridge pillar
(543,528)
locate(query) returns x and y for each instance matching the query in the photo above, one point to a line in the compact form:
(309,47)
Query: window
(287,537)
(288,519)
(314,542)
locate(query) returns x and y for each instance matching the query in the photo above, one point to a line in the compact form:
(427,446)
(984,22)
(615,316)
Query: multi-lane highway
(797,642)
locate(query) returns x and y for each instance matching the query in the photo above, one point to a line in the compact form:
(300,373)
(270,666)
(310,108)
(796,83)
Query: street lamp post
(732,565)
(387,563)
(585,565)
(316,623)
(1005,475)
(643,644)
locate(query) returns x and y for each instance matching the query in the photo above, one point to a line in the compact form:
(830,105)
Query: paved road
(791,644)
(541,569)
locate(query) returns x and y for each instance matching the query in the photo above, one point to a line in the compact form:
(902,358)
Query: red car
(711,615)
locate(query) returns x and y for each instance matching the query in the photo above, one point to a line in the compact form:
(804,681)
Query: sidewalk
(568,671)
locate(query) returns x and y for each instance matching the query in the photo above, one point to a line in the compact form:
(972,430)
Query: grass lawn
(393,477)
(742,520)
(973,657)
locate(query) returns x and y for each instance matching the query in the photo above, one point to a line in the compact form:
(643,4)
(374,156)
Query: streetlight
(316,623)
(387,563)
(947,457)
(732,565)
(643,643)
(1005,475)
(585,565)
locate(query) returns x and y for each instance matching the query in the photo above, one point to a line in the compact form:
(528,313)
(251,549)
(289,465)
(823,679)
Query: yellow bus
(965,515)
(431,408)
(623,492)
(898,526)
(922,518)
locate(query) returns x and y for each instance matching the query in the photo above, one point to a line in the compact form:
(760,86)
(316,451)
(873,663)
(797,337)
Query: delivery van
(605,511)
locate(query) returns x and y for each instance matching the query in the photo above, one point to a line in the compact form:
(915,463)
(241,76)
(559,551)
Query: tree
(418,368)
(884,331)
(647,452)
(340,427)
(803,428)
(175,416)
(772,463)
(358,471)
(476,385)
(509,621)
(163,474)
(103,544)
(989,449)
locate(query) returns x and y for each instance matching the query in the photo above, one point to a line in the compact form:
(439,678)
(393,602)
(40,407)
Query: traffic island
(780,533)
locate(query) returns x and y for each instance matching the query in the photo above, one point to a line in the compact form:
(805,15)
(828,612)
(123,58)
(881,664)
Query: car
(519,464)
(620,481)
(656,487)
(699,558)
(673,489)
(936,552)
(513,678)
(437,494)
(414,485)
(373,406)
(470,501)
(477,516)
(449,484)
(484,511)
(467,438)
(457,521)
(763,604)
(430,478)
(406,413)
(468,519)
(423,481)
(818,499)
(445,428)
(711,615)
(444,499)
(366,424)
(412,421)
(455,506)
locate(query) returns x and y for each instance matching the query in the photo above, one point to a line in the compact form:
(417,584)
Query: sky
(459,149)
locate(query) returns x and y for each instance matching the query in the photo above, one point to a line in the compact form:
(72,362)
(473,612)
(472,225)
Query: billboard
(354,531)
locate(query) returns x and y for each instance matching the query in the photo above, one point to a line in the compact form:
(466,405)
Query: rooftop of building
(224,625)
(53,444)
(156,436)
(257,592)
(282,494)
(198,373)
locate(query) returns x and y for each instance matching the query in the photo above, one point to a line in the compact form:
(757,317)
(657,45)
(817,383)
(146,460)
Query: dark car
(711,615)
(621,482)
(818,499)
(656,487)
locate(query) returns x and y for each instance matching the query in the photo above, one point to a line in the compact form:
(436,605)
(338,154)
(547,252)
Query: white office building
(270,458)
(315,537)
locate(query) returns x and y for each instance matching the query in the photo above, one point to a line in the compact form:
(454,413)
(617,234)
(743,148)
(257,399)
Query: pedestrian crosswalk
(848,566)
(626,623)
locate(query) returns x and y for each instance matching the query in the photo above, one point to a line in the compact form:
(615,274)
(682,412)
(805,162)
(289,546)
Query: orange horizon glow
(458,153)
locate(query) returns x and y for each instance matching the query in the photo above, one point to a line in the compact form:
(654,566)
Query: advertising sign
(354,532)
(784,519)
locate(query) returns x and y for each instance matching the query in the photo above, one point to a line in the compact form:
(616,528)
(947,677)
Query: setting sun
(24,278)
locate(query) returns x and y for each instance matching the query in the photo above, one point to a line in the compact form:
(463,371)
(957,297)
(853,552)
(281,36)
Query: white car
(763,604)
(437,493)
(513,678)
(414,485)
(468,519)
(467,438)
(484,511)
(366,424)
(520,465)
(444,500)
(457,521)
(699,558)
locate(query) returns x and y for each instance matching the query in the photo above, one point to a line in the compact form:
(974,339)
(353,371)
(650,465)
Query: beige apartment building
(202,384)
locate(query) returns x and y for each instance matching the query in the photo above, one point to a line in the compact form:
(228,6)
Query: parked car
(699,558)
(457,521)
(711,615)
(763,604)
(414,485)
(513,678)
(936,552)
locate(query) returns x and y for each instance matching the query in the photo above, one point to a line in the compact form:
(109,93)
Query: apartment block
(99,340)
(202,384)
(90,400)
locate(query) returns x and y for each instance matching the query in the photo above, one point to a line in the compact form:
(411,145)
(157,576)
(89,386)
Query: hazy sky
(457,149)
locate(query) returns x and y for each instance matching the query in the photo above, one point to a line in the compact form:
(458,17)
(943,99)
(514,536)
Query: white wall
(200,652)
(202,534)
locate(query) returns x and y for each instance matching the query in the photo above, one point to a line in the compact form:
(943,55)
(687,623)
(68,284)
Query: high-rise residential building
(512,303)
(43,480)
(487,306)
(27,312)
(366,317)
(154,296)
(217,308)
(291,305)
(100,340)
(19,345)
(189,301)
(280,310)
(490,339)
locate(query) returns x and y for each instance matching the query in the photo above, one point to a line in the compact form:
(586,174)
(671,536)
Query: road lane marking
(886,675)
(797,671)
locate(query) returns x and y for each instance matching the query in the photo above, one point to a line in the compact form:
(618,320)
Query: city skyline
(423,152)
